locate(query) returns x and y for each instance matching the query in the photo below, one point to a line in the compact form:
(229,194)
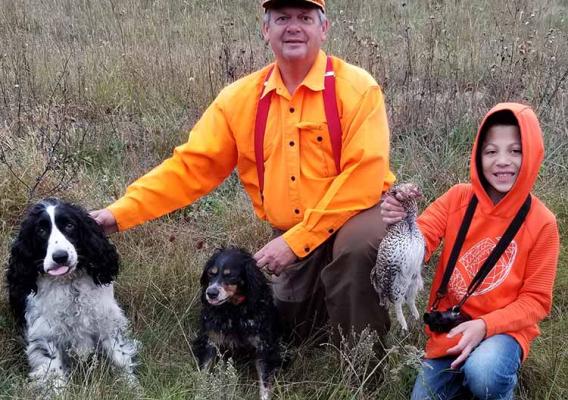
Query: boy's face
(501,157)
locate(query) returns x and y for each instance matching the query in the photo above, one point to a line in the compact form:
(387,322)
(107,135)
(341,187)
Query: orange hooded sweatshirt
(517,293)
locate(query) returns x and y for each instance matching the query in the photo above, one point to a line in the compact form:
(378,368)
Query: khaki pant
(333,283)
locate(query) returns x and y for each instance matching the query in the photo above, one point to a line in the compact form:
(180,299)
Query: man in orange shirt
(321,189)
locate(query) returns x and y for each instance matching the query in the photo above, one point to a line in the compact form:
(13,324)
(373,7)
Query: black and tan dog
(238,314)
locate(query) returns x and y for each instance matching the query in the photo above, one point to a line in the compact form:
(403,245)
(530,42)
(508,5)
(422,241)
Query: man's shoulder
(248,86)
(352,76)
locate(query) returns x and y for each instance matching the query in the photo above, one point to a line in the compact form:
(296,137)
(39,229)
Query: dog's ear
(204,280)
(102,260)
(21,275)
(256,282)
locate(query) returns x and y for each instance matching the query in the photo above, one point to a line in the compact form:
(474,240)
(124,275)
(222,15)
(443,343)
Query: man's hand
(392,210)
(473,333)
(105,219)
(275,257)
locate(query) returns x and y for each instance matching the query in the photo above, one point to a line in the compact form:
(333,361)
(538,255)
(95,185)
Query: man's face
(295,34)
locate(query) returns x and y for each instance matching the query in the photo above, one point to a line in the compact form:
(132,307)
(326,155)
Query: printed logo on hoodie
(470,263)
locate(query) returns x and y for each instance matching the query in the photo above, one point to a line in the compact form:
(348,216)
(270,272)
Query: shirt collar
(313,81)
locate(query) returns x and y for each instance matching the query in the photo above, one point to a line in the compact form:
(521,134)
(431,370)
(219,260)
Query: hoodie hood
(533,154)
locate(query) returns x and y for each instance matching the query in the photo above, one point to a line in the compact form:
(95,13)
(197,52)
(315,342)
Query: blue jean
(490,372)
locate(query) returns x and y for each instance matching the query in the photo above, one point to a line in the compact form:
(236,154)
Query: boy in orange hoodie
(482,356)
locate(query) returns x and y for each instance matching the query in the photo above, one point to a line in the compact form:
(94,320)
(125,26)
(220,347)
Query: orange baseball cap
(281,3)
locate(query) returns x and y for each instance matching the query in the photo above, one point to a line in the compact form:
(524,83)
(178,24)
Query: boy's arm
(433,222)
(535,297)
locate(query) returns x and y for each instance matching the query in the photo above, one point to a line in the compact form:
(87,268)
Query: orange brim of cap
(275,3)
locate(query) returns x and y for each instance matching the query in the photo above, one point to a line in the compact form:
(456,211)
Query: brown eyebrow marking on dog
(226,272)
(214,270)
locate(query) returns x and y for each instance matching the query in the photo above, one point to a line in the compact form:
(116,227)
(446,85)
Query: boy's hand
(473,333)
(105,219)
(275,257)
(392,210)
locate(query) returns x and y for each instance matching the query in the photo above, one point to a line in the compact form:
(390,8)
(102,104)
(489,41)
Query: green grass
(93,94)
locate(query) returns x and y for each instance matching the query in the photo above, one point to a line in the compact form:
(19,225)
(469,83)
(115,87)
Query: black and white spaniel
(238,314)
(59,277)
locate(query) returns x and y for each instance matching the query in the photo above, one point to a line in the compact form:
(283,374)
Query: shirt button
(331,230)
(319,138)
(307,249)
(291,143)
(292,109)
(297,211)
(293,178)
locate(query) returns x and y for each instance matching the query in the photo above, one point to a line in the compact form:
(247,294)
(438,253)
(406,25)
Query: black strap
(499,249)
(466,222)
(490,261)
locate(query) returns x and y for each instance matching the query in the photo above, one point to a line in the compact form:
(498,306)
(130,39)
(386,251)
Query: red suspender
(331,115)
(259,130)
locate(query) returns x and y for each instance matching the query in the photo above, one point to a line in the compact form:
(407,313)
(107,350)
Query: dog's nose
(212,292)
(60,256)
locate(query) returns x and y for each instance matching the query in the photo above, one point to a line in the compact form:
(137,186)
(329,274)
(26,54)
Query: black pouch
(444,321)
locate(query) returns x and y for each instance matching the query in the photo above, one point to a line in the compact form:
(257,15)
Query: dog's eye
(213,271)
(42,232)
(69,227)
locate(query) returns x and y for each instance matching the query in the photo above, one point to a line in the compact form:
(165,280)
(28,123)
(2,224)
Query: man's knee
(350,298)
(360,236)
(347,278)
(350,268)
(362,251)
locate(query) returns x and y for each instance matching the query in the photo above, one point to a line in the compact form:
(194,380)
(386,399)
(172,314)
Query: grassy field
(94,93)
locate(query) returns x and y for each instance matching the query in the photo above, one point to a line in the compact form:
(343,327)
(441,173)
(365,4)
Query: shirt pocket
(316,158)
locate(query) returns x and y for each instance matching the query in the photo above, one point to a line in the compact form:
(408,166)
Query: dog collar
(238,299)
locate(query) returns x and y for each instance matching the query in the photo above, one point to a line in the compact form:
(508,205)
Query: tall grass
(94,93)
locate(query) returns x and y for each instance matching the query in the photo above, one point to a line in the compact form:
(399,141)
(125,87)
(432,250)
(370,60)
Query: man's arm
(105,219)
(275,256)
(195,168)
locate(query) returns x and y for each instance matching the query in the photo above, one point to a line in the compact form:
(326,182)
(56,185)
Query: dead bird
(396,276)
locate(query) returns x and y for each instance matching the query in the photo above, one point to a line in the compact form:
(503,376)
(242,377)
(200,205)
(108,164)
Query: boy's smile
(501,157)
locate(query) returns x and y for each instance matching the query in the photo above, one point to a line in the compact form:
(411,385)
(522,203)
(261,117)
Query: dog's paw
(47,385)
(265,390)
(133,384)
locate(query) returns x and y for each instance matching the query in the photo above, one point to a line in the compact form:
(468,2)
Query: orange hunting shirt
(303,194)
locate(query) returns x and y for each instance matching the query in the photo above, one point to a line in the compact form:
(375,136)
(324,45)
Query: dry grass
(92,94)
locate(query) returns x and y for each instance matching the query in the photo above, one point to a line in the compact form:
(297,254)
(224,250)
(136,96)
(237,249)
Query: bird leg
(400,316)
